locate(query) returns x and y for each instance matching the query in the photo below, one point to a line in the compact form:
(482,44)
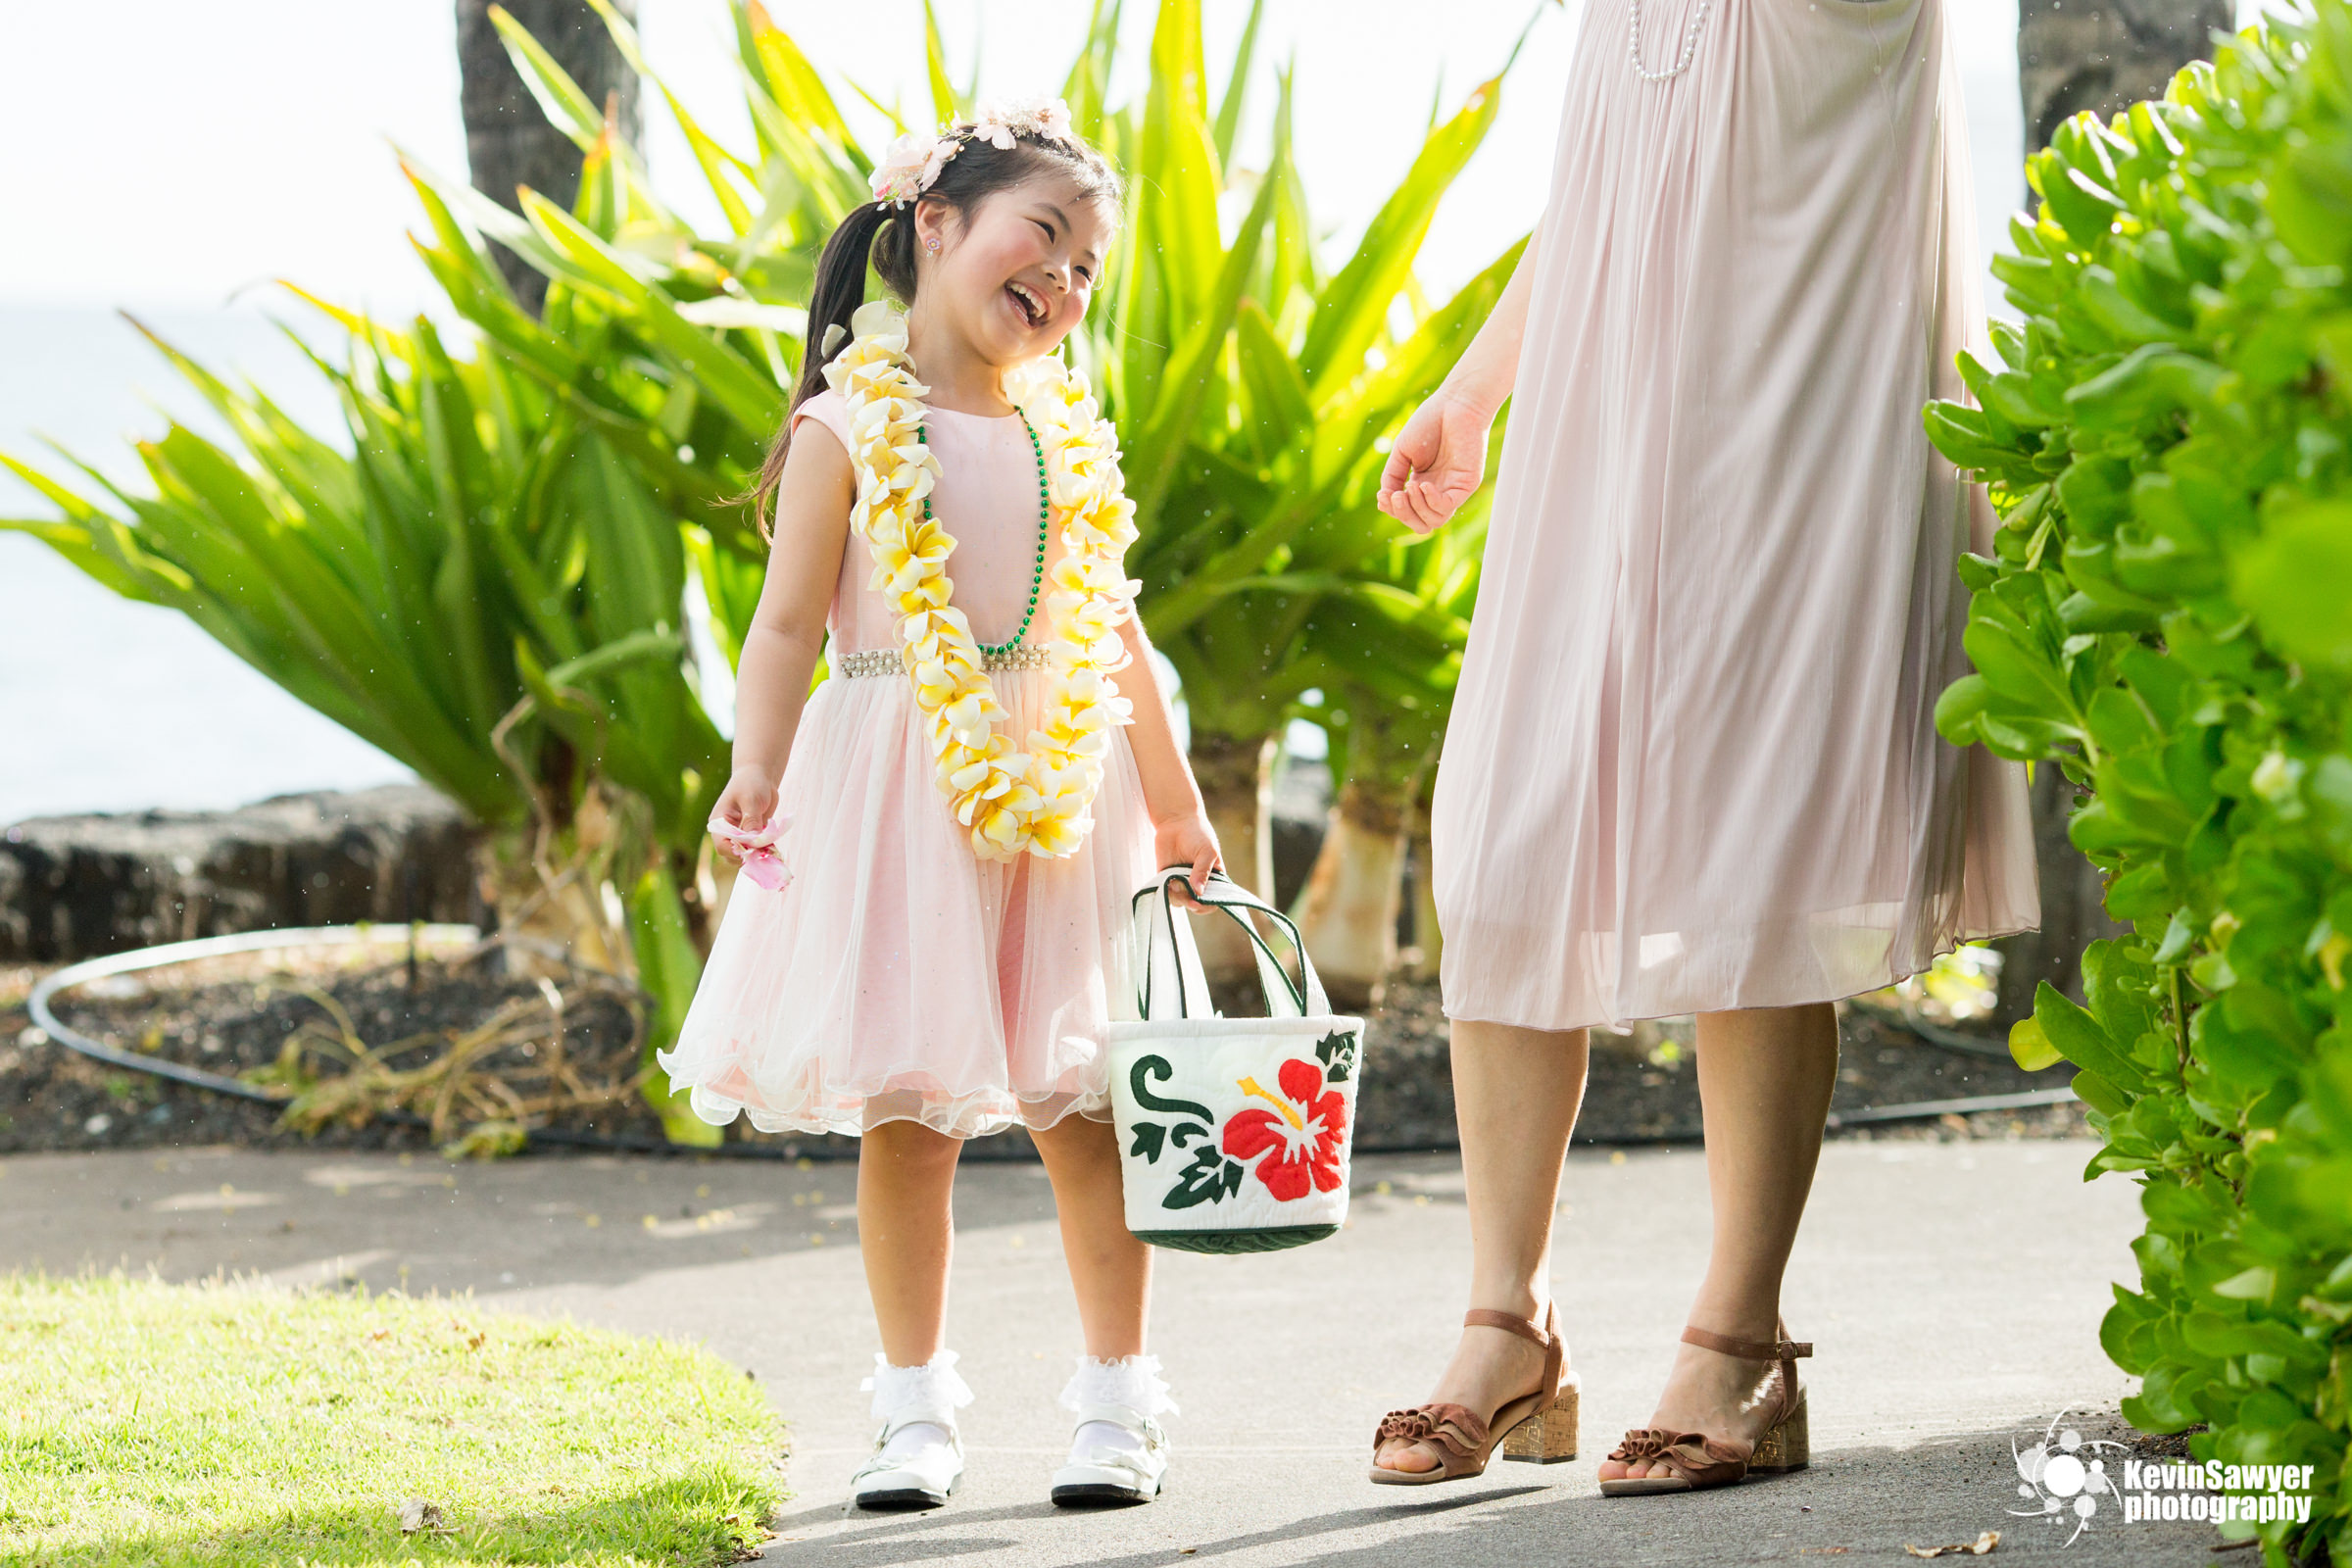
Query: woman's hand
(1188,840)
(747,802)
(1438,462)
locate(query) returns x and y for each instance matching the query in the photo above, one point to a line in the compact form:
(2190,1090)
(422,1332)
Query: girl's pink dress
(898,976)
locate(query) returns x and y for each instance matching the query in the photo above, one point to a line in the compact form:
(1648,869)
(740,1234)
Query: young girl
(966,805)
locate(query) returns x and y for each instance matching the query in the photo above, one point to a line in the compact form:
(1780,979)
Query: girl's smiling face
(1015,273)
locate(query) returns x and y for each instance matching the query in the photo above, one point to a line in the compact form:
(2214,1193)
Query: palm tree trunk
(509,141)
(1236,774)
(2103,56)
(1347,915)
(1428,943)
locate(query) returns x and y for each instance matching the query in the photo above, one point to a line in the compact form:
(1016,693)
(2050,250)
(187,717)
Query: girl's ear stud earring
(931,245)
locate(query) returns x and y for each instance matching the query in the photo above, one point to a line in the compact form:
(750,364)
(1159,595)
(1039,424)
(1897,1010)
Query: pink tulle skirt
(898,976)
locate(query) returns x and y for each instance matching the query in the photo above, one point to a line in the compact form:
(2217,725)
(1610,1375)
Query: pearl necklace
(1633,42)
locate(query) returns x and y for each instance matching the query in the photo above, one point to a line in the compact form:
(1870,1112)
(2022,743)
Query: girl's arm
(788,630)
(1440,458)
(1180,830)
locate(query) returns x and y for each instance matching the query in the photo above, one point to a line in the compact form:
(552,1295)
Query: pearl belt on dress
(890,661)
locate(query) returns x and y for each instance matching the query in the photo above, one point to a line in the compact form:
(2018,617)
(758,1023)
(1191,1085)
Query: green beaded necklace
(1044,522)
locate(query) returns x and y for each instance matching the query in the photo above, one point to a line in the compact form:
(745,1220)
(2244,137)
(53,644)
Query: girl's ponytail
(875,233)
(865,236)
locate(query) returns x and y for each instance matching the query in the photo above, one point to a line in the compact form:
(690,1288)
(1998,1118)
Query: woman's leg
(1110,1271)
(1765,1076)
(906,1231)
(1515,1097)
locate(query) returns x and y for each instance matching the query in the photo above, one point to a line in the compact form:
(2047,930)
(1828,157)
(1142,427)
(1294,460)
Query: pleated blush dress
(1693,762)
(898,976)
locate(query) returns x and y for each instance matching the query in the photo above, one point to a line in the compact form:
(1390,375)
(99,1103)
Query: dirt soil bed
(1644,1086)
(1643,1089)
(235,1018)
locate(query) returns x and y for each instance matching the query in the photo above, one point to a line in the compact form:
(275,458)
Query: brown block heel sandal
(1694,1460)
(1537,1428)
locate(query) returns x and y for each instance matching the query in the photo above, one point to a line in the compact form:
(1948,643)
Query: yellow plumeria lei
(1015,801)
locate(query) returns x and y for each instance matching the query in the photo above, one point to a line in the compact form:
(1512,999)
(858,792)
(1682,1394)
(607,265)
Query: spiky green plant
(1253,384)
(481,585)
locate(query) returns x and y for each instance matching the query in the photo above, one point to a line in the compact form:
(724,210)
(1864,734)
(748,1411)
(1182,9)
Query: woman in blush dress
(1692,766)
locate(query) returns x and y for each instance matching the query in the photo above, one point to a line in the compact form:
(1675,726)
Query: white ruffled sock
(1133,1381)
(932,1389)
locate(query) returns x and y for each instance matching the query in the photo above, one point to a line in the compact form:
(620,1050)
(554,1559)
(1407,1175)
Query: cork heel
(1693,1461)
(1539,1425)
(1547,1437)
(1787,1446)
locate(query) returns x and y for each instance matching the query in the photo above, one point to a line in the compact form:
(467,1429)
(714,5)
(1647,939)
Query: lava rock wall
(73,887)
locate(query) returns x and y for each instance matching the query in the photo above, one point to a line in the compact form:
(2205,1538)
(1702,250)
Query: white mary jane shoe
(1119,1452)
(919,1454)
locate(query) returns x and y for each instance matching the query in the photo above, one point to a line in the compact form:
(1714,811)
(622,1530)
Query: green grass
(143,1423)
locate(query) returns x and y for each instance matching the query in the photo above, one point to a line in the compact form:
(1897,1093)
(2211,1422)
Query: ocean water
(114,705)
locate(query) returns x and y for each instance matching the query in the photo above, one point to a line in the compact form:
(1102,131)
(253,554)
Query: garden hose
(45,1017)
(171,953)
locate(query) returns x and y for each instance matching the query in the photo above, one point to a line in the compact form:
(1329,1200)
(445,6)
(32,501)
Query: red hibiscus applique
(1301,1137)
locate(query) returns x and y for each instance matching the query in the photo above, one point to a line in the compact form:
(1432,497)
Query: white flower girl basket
(1234,1133)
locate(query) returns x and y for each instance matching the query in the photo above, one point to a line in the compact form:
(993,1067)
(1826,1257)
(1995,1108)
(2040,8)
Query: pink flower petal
(766,871)
(756,850)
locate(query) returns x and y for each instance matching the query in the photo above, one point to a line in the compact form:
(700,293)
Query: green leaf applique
(1339,1052)
(1157,1068)
(1211,1178)
(1149,1136)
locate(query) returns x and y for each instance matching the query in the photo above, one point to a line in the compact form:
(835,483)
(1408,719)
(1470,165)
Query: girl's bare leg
(906,1234)
(1765,1076)
(1110,1271)
(1515,1097)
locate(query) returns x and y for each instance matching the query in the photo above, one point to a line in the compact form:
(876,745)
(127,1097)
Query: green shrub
(2168,616)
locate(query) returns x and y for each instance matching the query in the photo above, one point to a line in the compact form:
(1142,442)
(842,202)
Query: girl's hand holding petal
(747,803)
(1438,462)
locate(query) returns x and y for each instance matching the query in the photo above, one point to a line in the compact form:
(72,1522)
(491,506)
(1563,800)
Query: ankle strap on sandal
(1782,1350)
(1545,1338)
(1486,1318)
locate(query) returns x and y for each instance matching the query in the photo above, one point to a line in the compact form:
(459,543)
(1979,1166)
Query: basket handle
(1169,963)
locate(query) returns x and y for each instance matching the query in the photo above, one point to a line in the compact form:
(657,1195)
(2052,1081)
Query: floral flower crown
(914,162)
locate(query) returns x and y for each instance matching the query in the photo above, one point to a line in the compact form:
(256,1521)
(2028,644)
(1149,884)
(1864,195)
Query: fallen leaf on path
(1978,1548)
(416,1514)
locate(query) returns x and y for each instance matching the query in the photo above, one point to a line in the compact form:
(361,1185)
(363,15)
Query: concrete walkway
(1955,1291)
